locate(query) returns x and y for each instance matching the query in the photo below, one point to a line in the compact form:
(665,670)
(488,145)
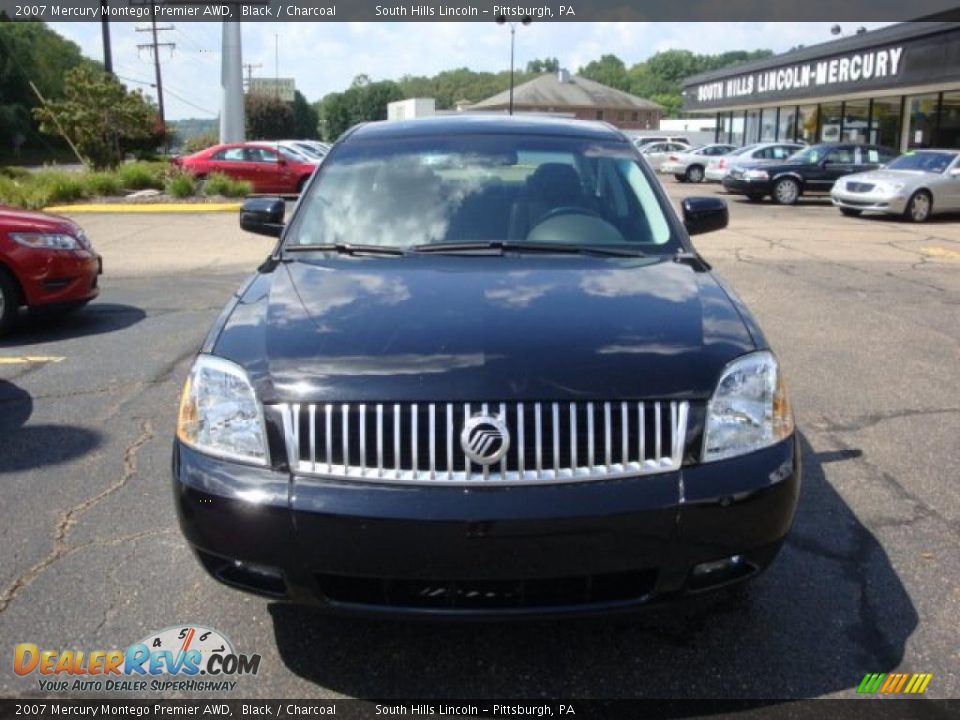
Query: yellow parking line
(145,208)
(937,251)
(26,359)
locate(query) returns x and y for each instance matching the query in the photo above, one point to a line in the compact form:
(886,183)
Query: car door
(232,162)
(948,190)
(839,161)
(655,154)
(267,170)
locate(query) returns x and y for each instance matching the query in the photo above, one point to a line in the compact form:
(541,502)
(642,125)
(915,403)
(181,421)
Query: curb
(145,208)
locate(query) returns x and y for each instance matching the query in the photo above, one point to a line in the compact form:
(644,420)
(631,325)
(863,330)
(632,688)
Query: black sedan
(484,373)
(811,171)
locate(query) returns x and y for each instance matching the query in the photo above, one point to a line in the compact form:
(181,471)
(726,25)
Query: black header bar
(458,10)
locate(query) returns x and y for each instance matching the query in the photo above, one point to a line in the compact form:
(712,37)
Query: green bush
(181,185)
(142,176)
(11,192)
(14,172)
(220,184)
(102,184)
(58,186)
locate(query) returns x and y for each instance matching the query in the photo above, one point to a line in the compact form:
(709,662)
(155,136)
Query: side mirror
(263,216)
(955,172)
(704,214)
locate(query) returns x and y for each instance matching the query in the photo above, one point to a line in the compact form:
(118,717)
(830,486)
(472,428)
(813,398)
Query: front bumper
(59,278)
(504,551)
(743,186)
(872,201)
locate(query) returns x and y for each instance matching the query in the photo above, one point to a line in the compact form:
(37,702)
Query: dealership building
(898,86)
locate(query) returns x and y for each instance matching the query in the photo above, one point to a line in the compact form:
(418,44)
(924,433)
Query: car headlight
(220,414)
(756,175)
(46,241)
(749,409)
(890,187)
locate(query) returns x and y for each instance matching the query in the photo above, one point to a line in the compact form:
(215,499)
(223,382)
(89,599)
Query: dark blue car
(484,372)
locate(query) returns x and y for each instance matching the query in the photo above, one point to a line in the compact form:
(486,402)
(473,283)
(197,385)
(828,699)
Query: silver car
(756,153)
(915,185)
(656,153)
(689,166)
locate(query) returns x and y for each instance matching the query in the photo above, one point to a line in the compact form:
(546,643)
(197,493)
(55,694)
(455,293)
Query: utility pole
(231,82)
(105,32)
(155,48)
(250,67)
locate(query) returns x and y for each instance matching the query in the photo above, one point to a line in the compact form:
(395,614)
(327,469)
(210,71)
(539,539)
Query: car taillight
(723,164)
(673,158)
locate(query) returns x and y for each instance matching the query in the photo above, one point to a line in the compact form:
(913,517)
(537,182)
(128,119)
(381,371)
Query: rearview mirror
(263,216)
(704,214)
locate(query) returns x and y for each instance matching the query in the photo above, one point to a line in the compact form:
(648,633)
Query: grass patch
(181,185)
(220,184)
(102,184)
(142,175)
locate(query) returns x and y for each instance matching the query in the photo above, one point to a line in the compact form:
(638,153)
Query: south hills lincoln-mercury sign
(851,68)
(881,62)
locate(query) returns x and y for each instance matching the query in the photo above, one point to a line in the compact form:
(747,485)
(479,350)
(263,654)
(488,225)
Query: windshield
(808,156)
(926,161)
(409,192)
(743,150)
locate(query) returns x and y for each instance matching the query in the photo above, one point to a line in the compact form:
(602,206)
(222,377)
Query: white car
(719,168)
(289,150)
(656,153)
(690,166)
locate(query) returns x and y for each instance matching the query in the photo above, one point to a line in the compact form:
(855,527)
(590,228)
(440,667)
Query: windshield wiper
(532,247)
(348,249)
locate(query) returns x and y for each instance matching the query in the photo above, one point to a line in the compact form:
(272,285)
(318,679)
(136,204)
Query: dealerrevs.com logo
(186,658)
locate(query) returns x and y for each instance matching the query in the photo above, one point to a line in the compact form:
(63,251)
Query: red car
(46,261)
(268,170)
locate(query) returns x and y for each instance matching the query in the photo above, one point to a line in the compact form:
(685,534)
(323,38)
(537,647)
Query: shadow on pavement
(36,446)
(34,328)
(829,610)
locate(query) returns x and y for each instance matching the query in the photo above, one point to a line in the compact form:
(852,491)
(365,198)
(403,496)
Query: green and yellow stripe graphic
(890,683)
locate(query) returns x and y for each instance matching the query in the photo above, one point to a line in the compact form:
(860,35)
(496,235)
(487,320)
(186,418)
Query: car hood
(891,176)
(472,328)
(14,220)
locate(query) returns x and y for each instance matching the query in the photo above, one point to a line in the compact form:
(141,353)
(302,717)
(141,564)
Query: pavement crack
(862,422)
(70,517)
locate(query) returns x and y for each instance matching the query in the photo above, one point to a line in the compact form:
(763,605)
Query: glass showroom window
(768,125)
(856,119)
(807,128)
(787,123)
(948,133)
(736,129)
(885,127)
(752,131)
(923,120)
(831,122)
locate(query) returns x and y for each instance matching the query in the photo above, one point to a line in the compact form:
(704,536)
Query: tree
(608,70)
(99,115)
(305,119)
(546,65)
(269,118)
(30,51)
(362,102)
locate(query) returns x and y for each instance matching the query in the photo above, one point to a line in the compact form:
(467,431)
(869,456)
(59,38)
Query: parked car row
(859,177)
(270,166)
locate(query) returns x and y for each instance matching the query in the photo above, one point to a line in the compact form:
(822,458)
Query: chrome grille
(550,442)
(859,187)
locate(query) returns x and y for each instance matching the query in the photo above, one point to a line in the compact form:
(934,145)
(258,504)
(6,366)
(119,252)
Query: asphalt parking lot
(864,313)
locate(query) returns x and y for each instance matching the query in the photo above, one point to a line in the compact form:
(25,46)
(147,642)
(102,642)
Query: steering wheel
(568,210)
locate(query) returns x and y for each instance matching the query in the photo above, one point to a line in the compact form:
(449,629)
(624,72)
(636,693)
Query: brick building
(573,96)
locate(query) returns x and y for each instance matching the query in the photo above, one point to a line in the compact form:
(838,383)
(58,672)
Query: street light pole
(502,20)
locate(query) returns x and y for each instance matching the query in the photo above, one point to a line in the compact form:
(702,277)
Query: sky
(325,57)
